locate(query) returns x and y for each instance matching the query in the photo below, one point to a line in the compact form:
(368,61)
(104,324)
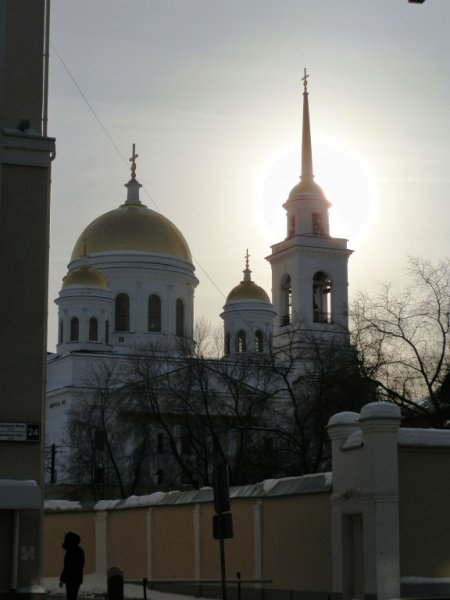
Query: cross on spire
(305,81)
(133,162)
(247,256)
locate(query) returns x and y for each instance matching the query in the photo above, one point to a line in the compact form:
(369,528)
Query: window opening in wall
(227,343)
(74,329)
(259,341)
(160,476)
(106,332)
(61,332)
(93,329)
(322,298)
(241,342)
(317,223)
(286,289)
(154,313)
(179,329)
(122,312)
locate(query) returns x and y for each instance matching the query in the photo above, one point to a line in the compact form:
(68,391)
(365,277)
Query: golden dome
(130,227)
(248,290)
(85,276)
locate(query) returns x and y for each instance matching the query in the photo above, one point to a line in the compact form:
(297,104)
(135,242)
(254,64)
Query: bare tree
(312,377)
(206,408)
(108,446)
(403,341)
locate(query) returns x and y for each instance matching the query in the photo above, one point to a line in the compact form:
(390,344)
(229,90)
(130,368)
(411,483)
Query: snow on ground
(96,585)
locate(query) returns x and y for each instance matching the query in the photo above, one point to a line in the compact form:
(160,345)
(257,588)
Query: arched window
(106,332)
(61,332)
(154,313)
(322,298)
(93,329)
(259,341)
(122,313)
(179,329)
(74,329)
(286,289)
(227,343)
(241,342)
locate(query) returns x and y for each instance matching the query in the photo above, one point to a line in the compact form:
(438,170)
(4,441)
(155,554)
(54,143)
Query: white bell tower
(309,267)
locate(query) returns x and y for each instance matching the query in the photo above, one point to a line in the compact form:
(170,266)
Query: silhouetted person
(72,575)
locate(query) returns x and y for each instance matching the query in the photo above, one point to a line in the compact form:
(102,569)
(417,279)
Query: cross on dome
(247,272)
(133,185)
(133,162)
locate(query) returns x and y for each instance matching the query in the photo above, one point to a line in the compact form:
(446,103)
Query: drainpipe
(15,551)
(46,61)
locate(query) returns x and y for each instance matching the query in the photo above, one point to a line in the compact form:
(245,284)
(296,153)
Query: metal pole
(222,568)
(144,585)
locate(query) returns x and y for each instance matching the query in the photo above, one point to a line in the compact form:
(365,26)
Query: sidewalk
(93,585)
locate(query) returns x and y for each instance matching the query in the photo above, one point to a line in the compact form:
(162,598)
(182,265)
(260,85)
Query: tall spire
(133,185)
(307,163)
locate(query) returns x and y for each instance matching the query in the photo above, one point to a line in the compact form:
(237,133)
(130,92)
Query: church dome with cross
(144,263)
(132,227)
(247,317)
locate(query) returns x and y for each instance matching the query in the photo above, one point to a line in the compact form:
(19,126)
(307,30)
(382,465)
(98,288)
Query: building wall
(297,544)
(286,539)
(54,532)
(390,515)
(424,484)
(25,161)
(383,521)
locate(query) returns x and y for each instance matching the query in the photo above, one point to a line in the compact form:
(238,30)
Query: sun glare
(345,179)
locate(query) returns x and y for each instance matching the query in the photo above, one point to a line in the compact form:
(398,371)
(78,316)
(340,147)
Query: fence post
(115,583)
(144,586)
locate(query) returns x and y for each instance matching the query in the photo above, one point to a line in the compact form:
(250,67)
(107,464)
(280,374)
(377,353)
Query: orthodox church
(131,280)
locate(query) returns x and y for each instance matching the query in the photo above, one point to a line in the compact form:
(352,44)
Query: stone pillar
(340,427)
(197,541)
(379,424)
(101,558)
(258,540)
(365,523)
(149,538)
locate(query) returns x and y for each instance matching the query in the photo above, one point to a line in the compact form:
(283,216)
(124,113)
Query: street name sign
(19,432)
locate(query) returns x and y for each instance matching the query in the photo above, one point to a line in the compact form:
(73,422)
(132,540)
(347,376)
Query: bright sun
(345,179)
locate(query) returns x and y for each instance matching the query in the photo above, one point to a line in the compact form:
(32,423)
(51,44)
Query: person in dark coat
(72,575)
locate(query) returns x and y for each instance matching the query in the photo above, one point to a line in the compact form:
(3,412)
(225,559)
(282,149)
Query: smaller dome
(248,290)
(85,276)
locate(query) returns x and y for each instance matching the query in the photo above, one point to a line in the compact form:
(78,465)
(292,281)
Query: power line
(125,161)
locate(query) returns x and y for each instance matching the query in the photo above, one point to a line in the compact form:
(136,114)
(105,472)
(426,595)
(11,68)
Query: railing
(147,584)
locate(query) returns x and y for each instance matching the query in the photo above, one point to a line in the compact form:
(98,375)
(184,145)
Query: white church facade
(131,281)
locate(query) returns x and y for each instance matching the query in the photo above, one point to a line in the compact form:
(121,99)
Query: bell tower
(309,267)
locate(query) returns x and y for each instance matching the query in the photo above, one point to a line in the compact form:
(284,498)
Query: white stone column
(149,535)
(379,424)
(365,491)
(258,540)
(101,519)
(340,427)
(197,541)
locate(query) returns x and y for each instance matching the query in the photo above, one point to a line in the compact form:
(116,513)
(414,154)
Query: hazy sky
(210,93)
